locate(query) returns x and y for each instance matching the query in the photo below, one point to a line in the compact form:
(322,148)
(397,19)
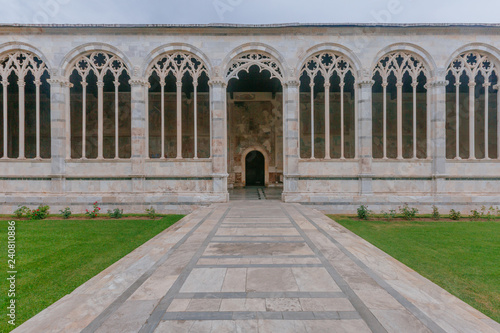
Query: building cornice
(253,26)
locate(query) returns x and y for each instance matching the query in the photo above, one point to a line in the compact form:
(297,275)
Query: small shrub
(22,211)
(116,213)
(92,214)
(40,213)
(407,212)
(390,215)
(435,213)
(66,213)
(151,213)
(363,212)
(488,213)
(455,215)
(475,215)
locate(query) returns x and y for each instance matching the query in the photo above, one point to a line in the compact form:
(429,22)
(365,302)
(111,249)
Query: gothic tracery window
(327,108)
(25,124)
(100,107)
(471,107)
(400,115)
(178,107)
(246,60)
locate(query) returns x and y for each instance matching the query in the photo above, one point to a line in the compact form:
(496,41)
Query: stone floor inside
(258,266)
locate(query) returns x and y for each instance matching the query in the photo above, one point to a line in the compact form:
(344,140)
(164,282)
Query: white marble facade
(420,171)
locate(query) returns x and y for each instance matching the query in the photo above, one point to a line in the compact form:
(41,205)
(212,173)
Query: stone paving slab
(258,266)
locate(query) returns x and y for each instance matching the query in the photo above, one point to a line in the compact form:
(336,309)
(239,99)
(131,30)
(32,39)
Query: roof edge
(250,26)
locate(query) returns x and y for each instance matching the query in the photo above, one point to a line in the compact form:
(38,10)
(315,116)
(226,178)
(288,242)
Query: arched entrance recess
(257,163)
(254,168)
(255,120)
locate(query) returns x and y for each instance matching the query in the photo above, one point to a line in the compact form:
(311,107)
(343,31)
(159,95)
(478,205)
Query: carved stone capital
(58,80)
(365,82)
(217,81)
(138,81)
(438,83)
(292,83)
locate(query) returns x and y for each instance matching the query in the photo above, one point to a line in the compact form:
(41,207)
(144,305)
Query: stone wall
(278,124)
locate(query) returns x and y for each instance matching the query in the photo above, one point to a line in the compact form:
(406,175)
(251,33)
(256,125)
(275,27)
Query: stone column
(291,135)
(58,114)
(117,120)
(100,119)
(486,86)
(497,88)
(312,118)
(195,117)
(437,109)
(399,87)
(365,140)
(5,83)
(218,121)
(38,83)
(138,131)
(472,120)
(22,114)
(327,120)
(179,119)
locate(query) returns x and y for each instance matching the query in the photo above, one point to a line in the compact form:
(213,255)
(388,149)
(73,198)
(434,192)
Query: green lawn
(461,257)
(55,257)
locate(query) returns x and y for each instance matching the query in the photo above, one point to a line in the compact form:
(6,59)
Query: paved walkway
(258,266)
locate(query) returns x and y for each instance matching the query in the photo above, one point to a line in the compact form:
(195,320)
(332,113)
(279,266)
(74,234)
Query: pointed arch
(98,75)
(180,73)
(175,47)
(333,74)
(22,68)
(68,62)
(263,56)
(337,49)
(401,72)
(20,46)
(474,72)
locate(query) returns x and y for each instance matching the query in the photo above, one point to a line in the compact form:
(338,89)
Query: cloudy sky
(249,11)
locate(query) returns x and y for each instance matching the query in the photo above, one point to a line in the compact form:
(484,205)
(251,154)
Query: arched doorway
(255,169)
(255,121)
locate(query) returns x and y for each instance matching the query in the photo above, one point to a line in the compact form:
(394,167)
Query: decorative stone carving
(21,63)
(99,63)
(327,64)
(399,63)
(178,63)
(244,61)
(472,63)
